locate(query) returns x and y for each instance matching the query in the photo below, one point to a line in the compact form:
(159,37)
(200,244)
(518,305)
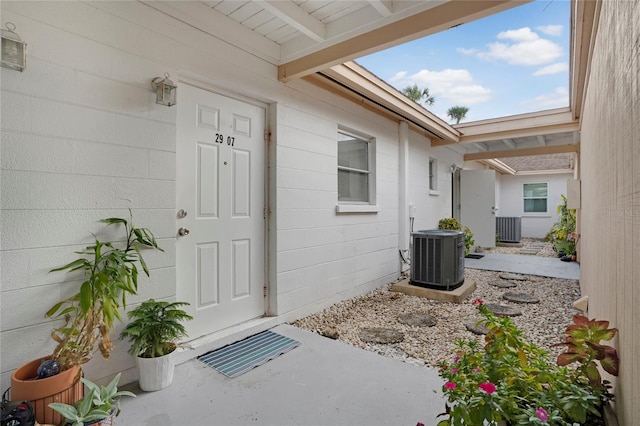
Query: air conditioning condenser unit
(437,259)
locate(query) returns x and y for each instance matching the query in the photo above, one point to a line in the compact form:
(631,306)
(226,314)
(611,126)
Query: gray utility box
(437,259)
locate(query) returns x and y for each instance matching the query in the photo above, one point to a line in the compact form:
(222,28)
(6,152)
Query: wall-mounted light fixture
(454,168)
(14,50)
(165,90)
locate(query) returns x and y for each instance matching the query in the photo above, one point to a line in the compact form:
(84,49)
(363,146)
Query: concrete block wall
(610,174)
(510,201)
(82,139)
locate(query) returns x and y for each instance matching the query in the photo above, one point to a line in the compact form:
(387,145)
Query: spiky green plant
(155,328)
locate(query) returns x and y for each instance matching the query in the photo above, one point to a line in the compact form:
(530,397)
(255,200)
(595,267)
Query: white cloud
(520,35)
(466,51)
(550,30)
(552,69)
(559,98)
(398,76)
(447,86)
(522,47)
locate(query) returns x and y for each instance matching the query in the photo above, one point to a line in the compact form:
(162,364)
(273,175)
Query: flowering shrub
(511,380)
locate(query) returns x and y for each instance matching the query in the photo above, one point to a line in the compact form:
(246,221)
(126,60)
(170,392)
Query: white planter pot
(155,373)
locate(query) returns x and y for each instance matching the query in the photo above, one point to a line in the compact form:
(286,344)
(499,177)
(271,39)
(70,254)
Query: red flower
(419,424)
(450,385)
(477,302)
(488,387)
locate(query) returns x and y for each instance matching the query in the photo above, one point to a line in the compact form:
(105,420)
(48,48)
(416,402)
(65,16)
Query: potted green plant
(110,275)
(153,332)
(100,406)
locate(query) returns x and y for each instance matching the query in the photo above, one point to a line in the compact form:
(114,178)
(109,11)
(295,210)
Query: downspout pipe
(403,210)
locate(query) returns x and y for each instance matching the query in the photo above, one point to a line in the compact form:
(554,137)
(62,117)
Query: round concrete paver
(510,276)
(503,310)
(503,284)
(417,319)
(381,335)
(520,297)
(476,328)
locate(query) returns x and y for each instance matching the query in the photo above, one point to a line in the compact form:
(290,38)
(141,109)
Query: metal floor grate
(239,357)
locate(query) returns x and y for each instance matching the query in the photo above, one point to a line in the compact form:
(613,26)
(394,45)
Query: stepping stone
(476,328)
(503,284)
(520,297)
(381,335)
(503,310)
(510,276)
(417,319)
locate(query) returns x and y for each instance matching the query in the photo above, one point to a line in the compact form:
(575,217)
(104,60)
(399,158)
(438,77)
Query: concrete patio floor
(321,382)
(526,264)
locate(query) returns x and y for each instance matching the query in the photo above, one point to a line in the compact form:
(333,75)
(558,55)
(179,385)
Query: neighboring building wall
(82,139)
(511,204)
(610,173)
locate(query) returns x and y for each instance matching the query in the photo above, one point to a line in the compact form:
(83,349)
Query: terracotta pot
(64,387)
(155,373)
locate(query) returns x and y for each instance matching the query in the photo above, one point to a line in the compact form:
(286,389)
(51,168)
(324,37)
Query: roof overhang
(446,15)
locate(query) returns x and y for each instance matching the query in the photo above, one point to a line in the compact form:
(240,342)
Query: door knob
(182,213)
(183,232)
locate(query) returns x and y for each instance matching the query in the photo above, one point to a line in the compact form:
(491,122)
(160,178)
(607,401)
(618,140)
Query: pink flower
(456,359)
(542,414)
(454,370)
(476,370)
(450,385)
(477,302)
(488,387)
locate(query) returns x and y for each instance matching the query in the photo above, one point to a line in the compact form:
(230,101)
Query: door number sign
(220,139)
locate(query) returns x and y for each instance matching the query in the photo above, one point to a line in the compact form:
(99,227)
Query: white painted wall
(82,139)
(609,220)
(510,201)
(430,206)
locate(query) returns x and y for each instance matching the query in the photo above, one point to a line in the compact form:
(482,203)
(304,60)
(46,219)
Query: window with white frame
(356,168)
(535,197)
(433,174)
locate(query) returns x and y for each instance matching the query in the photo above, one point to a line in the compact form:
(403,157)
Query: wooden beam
(383,7)
(431,21)
(524,152)
(297,17)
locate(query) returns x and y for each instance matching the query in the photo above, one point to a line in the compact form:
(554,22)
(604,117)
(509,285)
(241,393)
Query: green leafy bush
(451,223)
(563,232)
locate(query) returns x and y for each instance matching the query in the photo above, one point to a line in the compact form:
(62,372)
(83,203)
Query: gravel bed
(543,323)
(546,251)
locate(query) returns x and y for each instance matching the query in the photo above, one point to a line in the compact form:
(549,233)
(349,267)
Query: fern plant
(155,328)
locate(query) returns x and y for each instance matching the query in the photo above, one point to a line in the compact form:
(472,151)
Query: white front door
(478,205)
(220,185)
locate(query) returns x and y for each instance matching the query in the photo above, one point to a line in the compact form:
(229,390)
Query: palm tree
(458,113)
(417,95)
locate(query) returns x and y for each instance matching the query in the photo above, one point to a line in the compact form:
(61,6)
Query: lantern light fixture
(14,50)
(165,90)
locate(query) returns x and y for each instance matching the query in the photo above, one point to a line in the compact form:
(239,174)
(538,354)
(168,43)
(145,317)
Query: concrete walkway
(321,382)
(524,264)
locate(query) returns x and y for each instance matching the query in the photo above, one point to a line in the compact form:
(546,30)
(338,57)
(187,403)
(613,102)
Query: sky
(510,63)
